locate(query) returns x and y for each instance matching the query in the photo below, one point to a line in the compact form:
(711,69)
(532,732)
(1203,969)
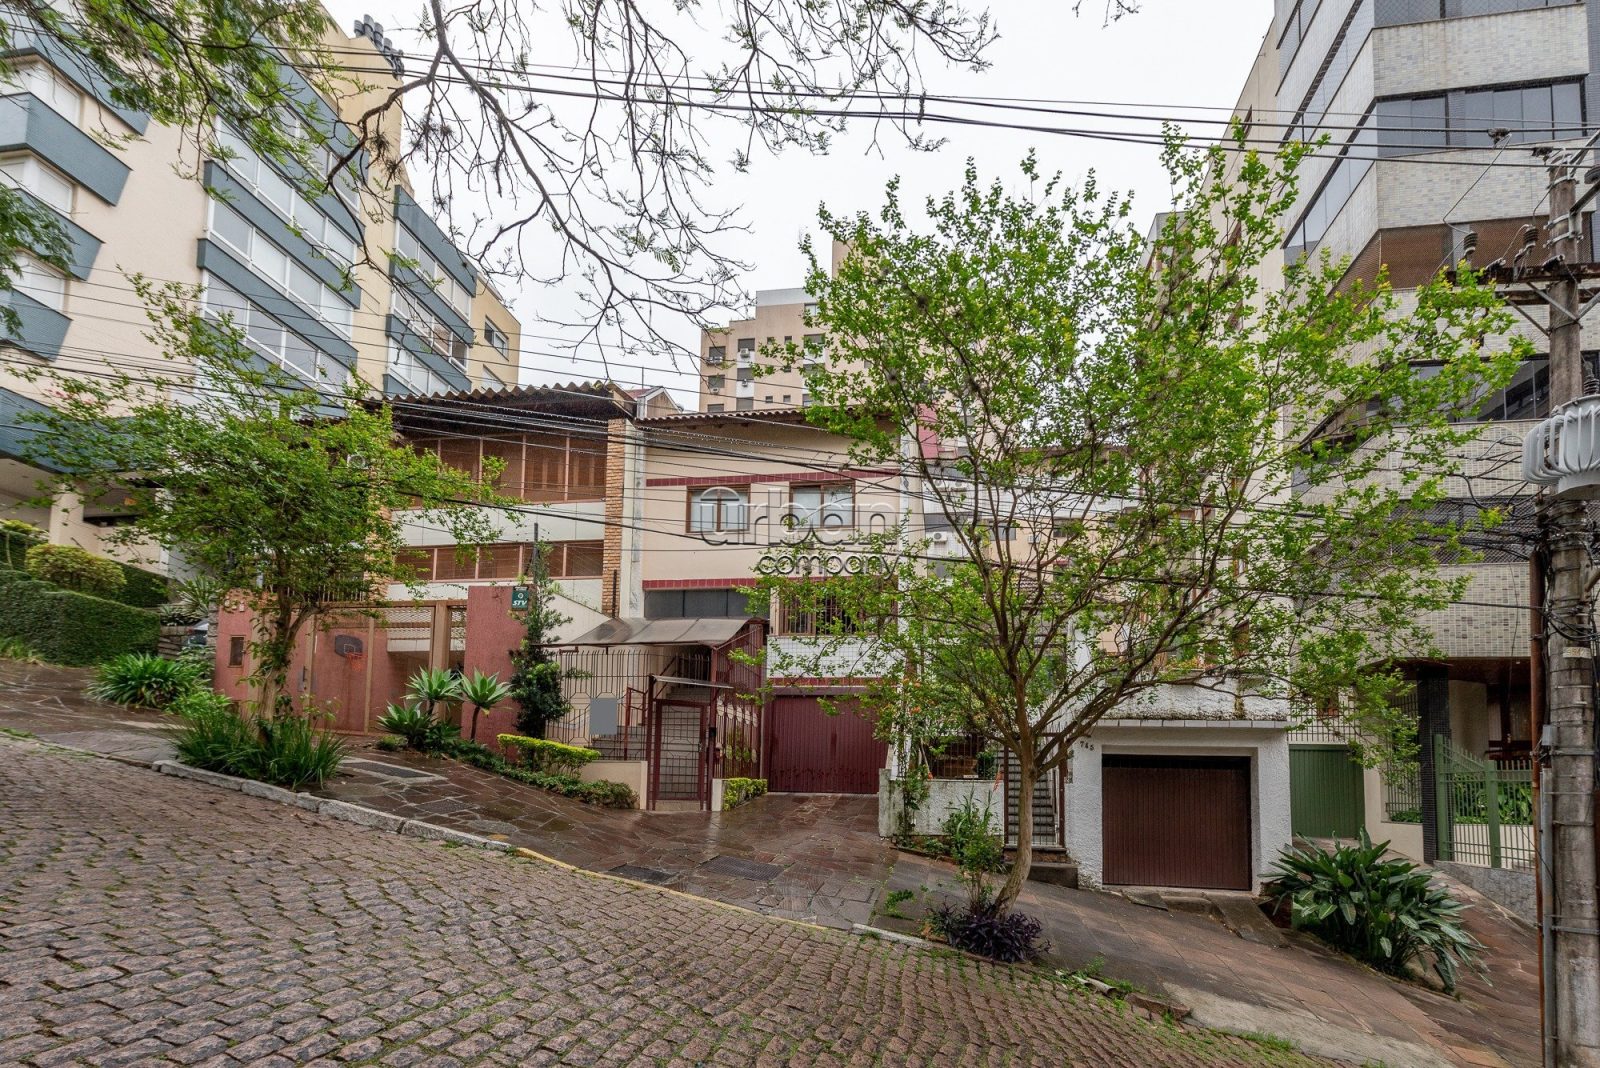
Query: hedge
(556,758)
(736,792)
(141,588)
(72,628)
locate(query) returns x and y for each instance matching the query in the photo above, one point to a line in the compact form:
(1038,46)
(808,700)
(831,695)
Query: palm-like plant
(482,692)
(431,687)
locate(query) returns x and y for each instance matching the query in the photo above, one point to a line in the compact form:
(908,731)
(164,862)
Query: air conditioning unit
(939,537)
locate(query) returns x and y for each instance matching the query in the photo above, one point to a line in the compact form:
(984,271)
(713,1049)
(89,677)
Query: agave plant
(1383,910)
(482,692)
(432,687)
(418,726)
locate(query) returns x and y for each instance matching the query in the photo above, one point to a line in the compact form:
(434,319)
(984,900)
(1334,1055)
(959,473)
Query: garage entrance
(1176,821)
(811,752)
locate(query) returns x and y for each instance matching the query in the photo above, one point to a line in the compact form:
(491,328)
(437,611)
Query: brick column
(616,478)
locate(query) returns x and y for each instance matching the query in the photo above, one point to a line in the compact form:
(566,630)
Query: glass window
(43,283)
(718,508)
(230,226)
(57,93)
(826,507)
(30,173)
(496,340)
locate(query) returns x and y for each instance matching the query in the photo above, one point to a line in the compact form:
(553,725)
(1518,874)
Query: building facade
(360,282)
(1431,110)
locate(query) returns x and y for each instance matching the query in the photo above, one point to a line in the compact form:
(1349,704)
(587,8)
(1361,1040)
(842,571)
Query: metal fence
(1402,795)
(1485,809)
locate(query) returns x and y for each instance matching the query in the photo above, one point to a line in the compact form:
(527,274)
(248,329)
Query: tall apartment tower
(239,232)
(1432,109)
(736,372)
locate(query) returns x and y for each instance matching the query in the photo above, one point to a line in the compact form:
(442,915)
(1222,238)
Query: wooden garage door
(811,752)
(1176,821)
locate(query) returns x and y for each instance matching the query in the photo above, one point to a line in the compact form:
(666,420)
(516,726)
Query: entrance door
(1325,792)
(811,752)
(1176,821)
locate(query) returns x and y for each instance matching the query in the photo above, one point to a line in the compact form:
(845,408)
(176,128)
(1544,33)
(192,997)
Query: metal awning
(661,632)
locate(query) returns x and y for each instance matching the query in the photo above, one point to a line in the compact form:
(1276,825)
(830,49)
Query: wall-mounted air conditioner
(939,537)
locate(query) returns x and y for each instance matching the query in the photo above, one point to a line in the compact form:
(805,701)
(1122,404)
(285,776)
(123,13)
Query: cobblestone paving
(148,920)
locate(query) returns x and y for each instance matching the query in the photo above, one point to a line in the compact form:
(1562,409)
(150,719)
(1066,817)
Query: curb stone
(434,832)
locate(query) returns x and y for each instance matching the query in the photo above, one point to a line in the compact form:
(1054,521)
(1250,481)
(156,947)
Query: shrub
(18,650)
(287,752)
(736,792)
(1385,911)
(418,727)
(65,627)
(973,841)
(551,758)
(1012,937)
(200,702)
(141,588)
(73,568)
(604,793)
(143,681)
(15,538)
(391,743)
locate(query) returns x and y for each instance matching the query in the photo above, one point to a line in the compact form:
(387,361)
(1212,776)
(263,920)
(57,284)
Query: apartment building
(361,282)
(1432,109)
(737,372)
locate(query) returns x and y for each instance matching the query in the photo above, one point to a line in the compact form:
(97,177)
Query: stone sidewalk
(819,859)
(155,921)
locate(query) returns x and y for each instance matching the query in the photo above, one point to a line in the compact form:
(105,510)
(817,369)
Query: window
(268,337)
(496,339)
(534,467)
(716,382)
(824,616)
(715,409)
(41,282)
(428,326)
(747,374)
(1463,119)
(813,349)
(716,354)
(744,404)
(721,603)
(768,398)
(747,349)
(454,293)
(822,507)
(44,182)
(58,94)
(273,264)
(505,560)
(491,381)
(412,373)
(718,508)
(235,651)
(275,190)
(786,398)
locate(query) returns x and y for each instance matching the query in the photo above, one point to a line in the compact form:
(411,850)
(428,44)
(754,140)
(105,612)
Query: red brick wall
(492,633)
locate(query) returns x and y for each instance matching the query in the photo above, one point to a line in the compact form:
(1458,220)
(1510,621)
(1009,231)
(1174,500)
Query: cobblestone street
(152,920)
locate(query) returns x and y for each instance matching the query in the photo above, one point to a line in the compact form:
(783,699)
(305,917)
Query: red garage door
(811,752)
(1176,821)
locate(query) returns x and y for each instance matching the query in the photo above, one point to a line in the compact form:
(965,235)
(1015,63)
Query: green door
(1325,792)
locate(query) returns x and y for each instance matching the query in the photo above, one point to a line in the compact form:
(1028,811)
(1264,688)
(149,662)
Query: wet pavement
(819,858)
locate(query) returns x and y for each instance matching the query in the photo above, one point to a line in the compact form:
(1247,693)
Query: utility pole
(1570,474)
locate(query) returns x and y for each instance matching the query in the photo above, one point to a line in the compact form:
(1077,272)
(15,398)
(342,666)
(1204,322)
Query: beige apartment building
(737,362)
(312,284)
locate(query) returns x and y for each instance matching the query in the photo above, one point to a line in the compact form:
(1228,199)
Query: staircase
(1046,819)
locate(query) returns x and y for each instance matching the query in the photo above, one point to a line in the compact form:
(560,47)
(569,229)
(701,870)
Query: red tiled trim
(795,476)
(700,584)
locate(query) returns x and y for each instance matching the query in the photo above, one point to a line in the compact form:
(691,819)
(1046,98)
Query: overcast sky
(1171,56)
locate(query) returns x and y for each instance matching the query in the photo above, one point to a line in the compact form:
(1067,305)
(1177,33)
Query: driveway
(151,920)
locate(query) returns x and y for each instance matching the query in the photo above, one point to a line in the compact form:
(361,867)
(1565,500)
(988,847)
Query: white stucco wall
(1264,742)
(944,797)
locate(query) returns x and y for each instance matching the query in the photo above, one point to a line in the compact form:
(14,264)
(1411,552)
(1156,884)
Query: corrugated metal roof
(597,389)
(662,632)
(768,415)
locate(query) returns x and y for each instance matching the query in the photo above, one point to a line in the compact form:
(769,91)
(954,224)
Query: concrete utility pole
(1567,780)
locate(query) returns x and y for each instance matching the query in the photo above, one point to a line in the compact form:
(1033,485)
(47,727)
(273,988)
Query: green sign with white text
(519,597)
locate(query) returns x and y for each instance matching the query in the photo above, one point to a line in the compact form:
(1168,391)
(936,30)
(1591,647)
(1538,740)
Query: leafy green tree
(292,497)
(1156,470)
(536,677)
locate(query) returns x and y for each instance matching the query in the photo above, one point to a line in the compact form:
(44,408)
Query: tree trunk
(1026,776)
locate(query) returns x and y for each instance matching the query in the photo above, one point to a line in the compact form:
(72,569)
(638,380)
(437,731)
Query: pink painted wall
(492,633)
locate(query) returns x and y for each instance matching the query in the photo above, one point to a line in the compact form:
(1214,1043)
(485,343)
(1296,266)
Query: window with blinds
(533,467)
(506,560)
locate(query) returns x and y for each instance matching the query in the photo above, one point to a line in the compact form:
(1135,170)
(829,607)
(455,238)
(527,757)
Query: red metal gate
(810,751)
(1176,821)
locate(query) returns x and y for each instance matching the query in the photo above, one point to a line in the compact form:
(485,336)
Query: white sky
(1170,55)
